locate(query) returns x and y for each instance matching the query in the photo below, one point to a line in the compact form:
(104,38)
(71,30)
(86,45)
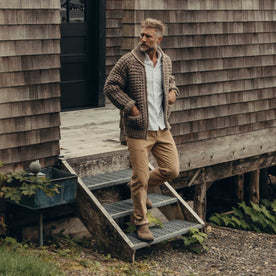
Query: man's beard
(145,48)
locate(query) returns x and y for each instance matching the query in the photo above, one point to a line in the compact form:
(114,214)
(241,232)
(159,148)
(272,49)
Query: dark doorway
(82,53)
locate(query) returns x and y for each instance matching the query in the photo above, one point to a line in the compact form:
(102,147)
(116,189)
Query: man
(141,85)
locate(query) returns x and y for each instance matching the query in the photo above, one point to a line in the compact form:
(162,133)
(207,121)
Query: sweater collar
(140,56)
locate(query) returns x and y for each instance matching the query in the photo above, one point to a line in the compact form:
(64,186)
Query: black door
(82,53)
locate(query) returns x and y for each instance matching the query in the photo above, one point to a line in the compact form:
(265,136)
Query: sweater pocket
(135,122)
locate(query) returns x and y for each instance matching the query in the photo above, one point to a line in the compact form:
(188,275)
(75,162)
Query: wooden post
(41,229)
(2,217)
(264,187)
(239,183)
(254,186)
(200,202)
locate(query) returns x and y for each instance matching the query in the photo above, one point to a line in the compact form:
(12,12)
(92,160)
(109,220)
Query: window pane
(72,11)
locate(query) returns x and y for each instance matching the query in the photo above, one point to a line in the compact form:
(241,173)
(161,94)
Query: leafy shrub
(257,217)
(15,185)
(194,241)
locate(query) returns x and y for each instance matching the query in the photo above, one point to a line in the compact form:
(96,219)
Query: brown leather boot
(144,233)
(149,203)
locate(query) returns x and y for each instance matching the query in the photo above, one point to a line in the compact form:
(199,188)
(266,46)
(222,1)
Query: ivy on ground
(194,241)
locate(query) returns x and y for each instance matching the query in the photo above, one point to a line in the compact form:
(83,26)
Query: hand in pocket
(134,111)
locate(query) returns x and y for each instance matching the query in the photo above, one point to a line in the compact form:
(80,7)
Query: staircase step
(89,209)
(170,230)
(107,179)
(124,207)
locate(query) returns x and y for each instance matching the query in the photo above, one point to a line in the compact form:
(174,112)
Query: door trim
(97,31)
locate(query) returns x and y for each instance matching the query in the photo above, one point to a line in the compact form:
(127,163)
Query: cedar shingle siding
(224,58)
(29,82)
(114,15)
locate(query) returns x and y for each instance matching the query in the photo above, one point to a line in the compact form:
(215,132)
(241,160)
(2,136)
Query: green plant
(257,217)
(131,227)
(10,242)
(153,221)
(15,185)
(194,241)
(16,260)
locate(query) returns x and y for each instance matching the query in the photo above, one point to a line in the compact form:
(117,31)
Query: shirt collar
(140,56)
(147,59)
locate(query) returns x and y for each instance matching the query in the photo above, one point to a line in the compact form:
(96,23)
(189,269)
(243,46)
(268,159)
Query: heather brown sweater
(126,85)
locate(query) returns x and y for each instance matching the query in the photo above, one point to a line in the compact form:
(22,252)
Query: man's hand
(134,111)
(172,97)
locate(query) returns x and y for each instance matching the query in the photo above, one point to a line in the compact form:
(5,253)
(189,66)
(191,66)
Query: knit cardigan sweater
(126,86)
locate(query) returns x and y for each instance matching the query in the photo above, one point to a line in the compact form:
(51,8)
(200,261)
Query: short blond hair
(155,24)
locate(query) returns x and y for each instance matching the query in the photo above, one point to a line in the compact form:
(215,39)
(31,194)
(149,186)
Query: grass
(63,256)
(66,256)
(14,263)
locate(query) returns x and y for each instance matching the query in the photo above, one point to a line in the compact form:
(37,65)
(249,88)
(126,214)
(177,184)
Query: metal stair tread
(107,179)
(124,207)
(170,230)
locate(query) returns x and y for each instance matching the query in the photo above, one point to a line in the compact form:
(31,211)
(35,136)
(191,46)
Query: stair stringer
(99,223)
(181,201)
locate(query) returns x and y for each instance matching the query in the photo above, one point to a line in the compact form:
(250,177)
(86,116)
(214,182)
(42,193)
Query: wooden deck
(90,131)
(90,140)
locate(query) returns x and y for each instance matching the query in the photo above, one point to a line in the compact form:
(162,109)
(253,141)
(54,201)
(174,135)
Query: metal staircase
(104,206)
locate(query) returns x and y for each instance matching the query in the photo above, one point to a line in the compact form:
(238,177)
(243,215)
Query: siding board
(43,121)
(29,4)
(30,17)
(29,47)
(29,108)
(30,153)
(200,16)
(29,78)
(29,32)
(29,93)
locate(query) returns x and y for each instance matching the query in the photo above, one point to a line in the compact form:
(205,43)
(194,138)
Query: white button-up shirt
(155,93)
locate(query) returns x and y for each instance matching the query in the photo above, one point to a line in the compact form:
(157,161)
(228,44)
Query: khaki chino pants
(162,146)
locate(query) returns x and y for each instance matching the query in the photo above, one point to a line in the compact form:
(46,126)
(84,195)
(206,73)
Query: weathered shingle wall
(224,58)
(114,16)
(29,82)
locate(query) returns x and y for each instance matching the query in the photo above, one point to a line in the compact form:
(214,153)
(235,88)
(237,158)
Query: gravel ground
(231,252)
